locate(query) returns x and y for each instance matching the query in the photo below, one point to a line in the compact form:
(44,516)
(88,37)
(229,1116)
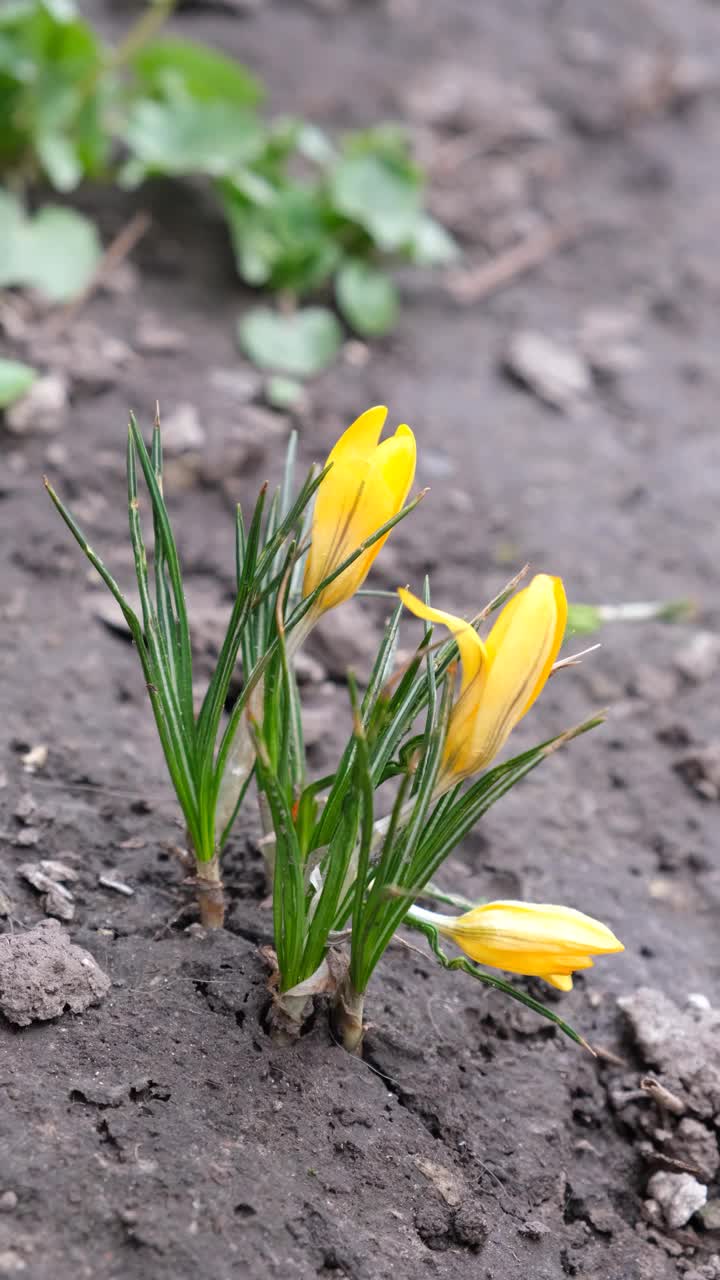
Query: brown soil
(161,1134)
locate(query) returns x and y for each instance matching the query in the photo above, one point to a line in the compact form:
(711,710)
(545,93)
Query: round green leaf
(432,245)
(380,195)
(283,393)
(60,160)
(205,73)
(300,344)
(367,298)
(16,380)
(56,252)
(60,251)
(191,137)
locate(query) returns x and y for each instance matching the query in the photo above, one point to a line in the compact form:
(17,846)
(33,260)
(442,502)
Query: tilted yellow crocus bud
(366,486)
(537,939)
(501,677)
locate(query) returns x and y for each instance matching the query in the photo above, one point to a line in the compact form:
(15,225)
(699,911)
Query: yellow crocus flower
(536,939)
(366,486)
(502,676)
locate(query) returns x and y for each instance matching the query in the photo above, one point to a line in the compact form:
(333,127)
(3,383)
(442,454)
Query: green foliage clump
(305,214)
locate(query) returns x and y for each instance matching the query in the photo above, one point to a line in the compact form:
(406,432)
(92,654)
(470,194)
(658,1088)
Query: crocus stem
(348,1017)
(267,845)
(431,917)
(210,893)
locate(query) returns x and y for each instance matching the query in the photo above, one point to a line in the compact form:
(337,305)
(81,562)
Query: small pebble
(8,1202)
(182,431)
(697,1001)
(116,885)
(679,1196)
(700,659)
(152,337)
(35,758)
(43,409)
(557,374)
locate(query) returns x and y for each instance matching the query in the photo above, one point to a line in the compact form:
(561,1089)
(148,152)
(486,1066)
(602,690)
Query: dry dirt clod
(58,871)
(609,340)
(308,670)
(43,409)
(182,430)
(153,337)
(697,1144)
(557,374)
(28,837)
(239,385)
(700,769)
(42,974)
(35,758)
(47,876)
(84,355)
(682,1046)
(457,97)
(320,715)
(345,638)
(41,875)
(25,807)
(58,902)
(679,1196)
(699,660)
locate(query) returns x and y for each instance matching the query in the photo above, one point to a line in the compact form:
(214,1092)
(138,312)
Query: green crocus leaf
(16,380)
(300,344)
(367,298)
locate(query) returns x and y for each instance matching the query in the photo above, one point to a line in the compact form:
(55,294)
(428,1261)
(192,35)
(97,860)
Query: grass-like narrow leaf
(489,980)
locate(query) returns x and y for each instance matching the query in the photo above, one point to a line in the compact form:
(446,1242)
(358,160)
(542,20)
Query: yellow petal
(366,486)
(472,649)
(538,925)
(521,650)
(530,938)
(537,613)
(563,981)
(361,437)
(394,459)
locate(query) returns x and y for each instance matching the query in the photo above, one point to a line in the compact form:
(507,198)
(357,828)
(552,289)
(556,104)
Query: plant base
(210,893)
(287,1016)
(348,1018)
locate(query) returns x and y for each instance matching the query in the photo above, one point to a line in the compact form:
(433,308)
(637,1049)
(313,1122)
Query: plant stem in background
(141,32)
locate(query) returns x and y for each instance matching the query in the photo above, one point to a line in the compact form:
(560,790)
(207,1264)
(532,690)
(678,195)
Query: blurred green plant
(304,214)
(16,380)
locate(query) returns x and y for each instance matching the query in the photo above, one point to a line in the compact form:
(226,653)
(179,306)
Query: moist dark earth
(161,1133)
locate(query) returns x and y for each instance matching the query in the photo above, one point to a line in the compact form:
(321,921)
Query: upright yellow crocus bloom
(501,677)
(366,486)
(537,939)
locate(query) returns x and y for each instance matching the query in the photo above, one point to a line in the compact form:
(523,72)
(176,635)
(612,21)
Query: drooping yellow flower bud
(502,677)
(366,486)
(536,939)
